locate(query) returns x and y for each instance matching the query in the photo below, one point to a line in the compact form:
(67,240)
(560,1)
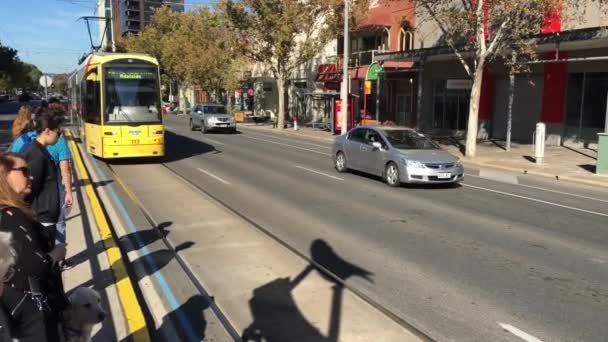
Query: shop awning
(328,73)
(378,21)
(395,65)
(358,73)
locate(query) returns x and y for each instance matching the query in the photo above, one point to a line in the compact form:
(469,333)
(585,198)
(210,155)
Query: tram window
(91,103)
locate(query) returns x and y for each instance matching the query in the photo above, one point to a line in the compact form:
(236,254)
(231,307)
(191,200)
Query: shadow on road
(178,147)
(276,316)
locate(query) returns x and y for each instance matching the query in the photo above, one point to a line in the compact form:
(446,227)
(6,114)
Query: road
(488,261)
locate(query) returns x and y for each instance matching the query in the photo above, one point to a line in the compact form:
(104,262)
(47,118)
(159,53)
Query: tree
(193,47)
(14,73)
(9,67)
(488,30)
(282,34)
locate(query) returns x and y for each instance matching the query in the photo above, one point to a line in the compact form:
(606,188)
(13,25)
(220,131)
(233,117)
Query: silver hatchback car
(397,154)
(210,117)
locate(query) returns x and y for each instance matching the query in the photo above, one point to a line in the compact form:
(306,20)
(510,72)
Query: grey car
(209,117)
(397,154)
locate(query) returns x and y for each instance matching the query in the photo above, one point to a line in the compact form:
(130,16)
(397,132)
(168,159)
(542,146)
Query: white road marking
(498,176)
(536,200)
(213,176)
(519,333)
(213,141)
(298,147)
(319,173)
(287,139)
(553,191)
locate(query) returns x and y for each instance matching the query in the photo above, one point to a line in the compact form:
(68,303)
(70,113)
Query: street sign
(46,81)
(458,84)
(368,87)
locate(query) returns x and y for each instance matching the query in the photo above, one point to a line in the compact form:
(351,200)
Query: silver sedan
(397,154)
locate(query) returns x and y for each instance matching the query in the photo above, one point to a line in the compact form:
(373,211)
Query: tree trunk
(182,100)
(281,91)
(473,125)
(510,109)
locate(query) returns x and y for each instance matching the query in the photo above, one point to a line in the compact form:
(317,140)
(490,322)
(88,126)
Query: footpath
(563,163)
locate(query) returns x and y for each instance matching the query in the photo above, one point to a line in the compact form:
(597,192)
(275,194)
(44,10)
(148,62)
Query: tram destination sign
(131,74)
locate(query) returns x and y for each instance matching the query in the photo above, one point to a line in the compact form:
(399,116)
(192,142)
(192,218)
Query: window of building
(406,39)
(586,104)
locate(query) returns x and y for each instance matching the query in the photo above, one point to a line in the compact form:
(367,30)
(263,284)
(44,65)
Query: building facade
(131,16)
(567,89)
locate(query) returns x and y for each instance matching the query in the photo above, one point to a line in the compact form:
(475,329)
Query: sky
(46,32)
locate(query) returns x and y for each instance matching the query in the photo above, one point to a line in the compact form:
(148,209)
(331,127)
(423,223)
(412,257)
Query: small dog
(84,312)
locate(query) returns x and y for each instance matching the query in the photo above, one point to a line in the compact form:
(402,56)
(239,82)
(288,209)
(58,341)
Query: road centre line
(548,190)
(213,176)
(536,200)
(319,173)
(519,333)
(287,139)
(298,147)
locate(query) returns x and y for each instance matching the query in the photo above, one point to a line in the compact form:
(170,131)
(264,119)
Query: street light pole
(344,86)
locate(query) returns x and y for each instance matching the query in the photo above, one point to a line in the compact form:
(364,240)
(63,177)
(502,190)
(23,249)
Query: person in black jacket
(44,197)
(33,297)
(7,269)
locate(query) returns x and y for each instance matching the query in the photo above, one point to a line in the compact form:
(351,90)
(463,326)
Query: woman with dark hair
(44,197)
(32,297)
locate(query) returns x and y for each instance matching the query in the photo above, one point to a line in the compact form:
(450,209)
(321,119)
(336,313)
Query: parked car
(397,154)
(210,117)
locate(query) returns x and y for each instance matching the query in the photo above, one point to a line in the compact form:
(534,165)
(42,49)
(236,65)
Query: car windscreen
(408,140)
(132,95)
(214,110)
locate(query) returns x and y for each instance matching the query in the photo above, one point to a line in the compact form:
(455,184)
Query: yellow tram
(115,98)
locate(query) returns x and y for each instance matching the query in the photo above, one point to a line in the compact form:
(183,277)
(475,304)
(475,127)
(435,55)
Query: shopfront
(586,105)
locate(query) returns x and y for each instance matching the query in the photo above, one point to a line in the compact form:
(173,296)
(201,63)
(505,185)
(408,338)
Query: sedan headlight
(459,163)
(413,164)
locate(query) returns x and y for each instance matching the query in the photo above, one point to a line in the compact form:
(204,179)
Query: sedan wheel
(341,162)
(391,175)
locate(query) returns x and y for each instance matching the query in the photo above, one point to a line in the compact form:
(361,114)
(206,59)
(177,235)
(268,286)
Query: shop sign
(368,87)
(459,84)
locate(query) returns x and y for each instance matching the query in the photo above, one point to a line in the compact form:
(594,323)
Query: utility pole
(344,87)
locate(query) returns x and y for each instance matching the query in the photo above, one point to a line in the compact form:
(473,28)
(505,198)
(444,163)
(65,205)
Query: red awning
(328,73)
(359,73)
(392,65)
(378,20)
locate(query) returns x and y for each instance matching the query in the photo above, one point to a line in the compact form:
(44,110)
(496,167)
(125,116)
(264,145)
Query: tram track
(200,287)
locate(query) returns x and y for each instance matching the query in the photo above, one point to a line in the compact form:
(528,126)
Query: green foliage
(283,34)
(194,47)
(14,73)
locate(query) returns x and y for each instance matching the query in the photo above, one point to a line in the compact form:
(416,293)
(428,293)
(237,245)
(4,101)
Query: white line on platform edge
(548,190)
(213,176)
(319,173)
(519,333)
(300,148)
(536,200)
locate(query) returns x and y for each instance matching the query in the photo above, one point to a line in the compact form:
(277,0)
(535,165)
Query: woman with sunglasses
(44,197)
(32,296)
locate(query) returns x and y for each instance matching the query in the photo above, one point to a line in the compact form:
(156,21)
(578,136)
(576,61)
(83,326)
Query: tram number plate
(134,141)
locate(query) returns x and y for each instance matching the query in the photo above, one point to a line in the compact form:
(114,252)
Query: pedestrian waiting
(33,295)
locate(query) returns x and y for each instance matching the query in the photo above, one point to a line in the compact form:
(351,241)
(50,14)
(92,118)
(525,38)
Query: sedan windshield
(214,110)
(409,140)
